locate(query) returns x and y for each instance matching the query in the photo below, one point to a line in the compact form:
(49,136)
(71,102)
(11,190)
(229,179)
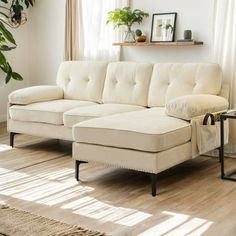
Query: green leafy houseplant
(126,16)
(11,15)
(138,32)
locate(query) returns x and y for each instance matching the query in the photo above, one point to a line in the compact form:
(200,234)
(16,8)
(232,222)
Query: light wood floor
(38,176)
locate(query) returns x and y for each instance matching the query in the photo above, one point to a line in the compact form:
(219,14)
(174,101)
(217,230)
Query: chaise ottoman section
(146,140)
(149,130)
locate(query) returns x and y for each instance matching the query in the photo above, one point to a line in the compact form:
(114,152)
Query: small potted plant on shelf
(139,36)
(126,16)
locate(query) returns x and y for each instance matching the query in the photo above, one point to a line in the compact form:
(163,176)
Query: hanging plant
(12,15)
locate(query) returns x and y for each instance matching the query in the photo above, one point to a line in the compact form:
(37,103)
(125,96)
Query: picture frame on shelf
(163,27)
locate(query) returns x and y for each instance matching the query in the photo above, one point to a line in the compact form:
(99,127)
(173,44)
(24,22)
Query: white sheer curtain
(96,37)
(87,36)
(225,53)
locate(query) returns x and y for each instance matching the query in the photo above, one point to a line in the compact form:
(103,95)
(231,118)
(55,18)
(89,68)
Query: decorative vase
(129,36)
(187,34)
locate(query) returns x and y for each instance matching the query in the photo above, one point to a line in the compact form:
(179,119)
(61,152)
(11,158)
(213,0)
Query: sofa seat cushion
(45,112)
(80,114)
(148,130)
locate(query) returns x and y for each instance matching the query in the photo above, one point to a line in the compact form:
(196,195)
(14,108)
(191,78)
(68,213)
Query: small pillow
(190,106)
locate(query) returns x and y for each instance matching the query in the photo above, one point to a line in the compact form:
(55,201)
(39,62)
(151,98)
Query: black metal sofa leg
(154,184)
(77,164)
(153,177)
(12,136)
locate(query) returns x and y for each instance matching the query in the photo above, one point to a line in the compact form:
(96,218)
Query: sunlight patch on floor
(42,190)
(4,171)
(52,188)
(65,195)
(45,193)
(179,225)
(90,207)
(2,202)
(4,147)
(58,175)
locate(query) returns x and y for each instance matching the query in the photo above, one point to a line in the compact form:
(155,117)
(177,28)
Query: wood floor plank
(38,176)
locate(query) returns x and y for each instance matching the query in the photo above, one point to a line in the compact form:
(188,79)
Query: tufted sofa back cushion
(127,83)
(173,80)
(82,80)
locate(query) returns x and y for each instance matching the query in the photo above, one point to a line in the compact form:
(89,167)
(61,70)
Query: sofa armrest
(190,106)
(35,94)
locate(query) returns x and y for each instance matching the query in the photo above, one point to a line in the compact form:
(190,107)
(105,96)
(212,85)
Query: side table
(223,117)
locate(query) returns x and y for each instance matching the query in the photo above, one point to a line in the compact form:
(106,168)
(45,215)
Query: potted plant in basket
(11,15)
(140,38)
(126,16)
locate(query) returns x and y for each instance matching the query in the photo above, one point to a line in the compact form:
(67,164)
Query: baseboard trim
(3,118)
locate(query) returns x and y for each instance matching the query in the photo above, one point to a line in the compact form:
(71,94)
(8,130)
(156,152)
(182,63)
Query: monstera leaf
(7,41)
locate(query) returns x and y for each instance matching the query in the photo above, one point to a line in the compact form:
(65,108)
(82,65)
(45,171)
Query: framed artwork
(163,27)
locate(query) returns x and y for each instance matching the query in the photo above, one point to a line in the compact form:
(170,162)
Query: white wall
(19,61)
(46,35)
(192,14)
(40,48)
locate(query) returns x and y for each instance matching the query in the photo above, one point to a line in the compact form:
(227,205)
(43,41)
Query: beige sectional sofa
(138,116)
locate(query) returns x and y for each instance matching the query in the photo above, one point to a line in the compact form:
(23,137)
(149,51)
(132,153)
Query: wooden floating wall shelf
(192,43)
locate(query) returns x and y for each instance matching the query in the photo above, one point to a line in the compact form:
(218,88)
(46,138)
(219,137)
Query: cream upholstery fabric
(82,80)
(127,83)
(132,159)
(35,94)
(194,126)
(79,114)
(173,80)
(190,106)
(40,129)
(224,92)
(147,130)
(45,112)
